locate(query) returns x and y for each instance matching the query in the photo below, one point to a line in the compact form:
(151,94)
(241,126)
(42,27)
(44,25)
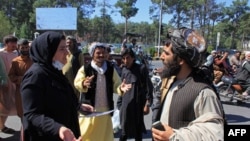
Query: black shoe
(123,138)
(8,130)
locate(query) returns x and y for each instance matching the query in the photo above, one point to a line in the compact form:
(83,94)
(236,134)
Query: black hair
(9,38)
(128,51)
(108,49)
(23,42)
(133,40)
(73,39)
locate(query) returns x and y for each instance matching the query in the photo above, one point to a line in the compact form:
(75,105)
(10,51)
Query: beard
(24,53)
(170,69)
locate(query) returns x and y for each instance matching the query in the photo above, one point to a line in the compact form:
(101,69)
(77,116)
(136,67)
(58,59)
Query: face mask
(24,53)
(58,65)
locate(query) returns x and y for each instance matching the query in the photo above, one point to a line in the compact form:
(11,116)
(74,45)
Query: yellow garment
(81,76)
(68,70)
(96,128)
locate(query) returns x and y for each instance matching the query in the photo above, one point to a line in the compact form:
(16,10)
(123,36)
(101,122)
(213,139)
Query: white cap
(213,51)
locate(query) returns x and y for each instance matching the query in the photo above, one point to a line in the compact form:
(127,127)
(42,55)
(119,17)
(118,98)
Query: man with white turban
(97,81)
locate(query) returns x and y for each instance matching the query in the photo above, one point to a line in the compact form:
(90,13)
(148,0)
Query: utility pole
(217,40)
(159,35)
(103,21)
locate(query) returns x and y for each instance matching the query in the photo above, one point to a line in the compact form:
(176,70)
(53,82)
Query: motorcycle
(156,81)
(230,91)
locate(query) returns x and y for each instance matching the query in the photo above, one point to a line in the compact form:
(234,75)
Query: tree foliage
(5,26)
(127,11)
(206,16)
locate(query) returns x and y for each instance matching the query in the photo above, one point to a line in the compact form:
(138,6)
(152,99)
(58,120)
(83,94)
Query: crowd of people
(234,66)
(47,84)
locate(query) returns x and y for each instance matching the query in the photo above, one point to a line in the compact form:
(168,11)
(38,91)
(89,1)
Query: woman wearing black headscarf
(49,104)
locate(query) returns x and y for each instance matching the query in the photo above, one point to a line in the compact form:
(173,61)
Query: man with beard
(75,60)
(98,81)
(190,109)
(19,66)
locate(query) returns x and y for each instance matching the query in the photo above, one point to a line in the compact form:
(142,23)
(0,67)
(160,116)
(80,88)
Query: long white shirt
(208,125)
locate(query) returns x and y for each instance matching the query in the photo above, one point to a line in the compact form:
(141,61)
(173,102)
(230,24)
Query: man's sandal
(8,130)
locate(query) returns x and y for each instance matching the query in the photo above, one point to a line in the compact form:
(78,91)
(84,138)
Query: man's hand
(125,87)
(87,107)
(159,135)
(67,135)
(87,81)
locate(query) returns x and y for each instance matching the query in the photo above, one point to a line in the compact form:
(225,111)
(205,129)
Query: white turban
(93,47)
(213,51)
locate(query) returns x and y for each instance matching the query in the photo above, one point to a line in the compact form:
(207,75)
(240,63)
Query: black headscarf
(44,47)
(42,51)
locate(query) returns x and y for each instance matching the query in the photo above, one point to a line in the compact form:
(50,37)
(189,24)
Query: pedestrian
(97,81)
(208,66)
(133,45)
(190,109)
(19,66)
(235,59)
(136,99)
(243,76)
(7,101)
(75,60)
(113,61)
(50,107)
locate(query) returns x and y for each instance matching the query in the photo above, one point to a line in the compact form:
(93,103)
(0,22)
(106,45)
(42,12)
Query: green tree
(18,13)
(5,26)
(233,16)
(215,16)
(24,31)
(98,33)
(244,31)
(127,11)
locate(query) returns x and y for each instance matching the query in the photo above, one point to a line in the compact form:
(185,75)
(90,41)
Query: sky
(143,12)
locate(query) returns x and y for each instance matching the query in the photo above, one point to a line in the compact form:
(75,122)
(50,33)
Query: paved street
(13,122)
(235,114)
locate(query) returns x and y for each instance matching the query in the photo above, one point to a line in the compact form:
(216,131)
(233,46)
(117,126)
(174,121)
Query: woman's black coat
(48,99)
